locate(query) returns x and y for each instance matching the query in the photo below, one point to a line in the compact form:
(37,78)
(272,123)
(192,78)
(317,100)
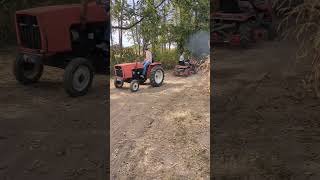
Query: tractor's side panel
(58,34)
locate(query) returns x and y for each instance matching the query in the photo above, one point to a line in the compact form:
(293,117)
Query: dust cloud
(198,44)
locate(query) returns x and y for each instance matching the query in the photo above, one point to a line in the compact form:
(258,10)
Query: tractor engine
(128,71)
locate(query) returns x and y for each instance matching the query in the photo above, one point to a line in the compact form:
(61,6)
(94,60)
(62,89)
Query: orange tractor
(131,73)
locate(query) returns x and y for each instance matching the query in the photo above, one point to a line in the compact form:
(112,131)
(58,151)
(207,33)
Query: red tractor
(132,73)
(71,37)
(240,22)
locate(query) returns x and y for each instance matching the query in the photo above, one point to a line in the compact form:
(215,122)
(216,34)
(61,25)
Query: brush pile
(205,73)
(302,21)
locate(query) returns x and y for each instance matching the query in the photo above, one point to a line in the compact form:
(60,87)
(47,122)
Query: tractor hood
(38,11)
(65,13)
(57,10)
(128,64)
(54,23)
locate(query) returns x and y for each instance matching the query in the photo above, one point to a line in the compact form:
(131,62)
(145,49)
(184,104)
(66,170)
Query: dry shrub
(205,73)
(302,20)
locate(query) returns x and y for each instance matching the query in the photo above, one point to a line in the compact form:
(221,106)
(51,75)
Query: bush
(303,21)
(168,58)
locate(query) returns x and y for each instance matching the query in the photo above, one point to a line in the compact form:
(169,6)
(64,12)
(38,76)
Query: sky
(125,38)
(127,42)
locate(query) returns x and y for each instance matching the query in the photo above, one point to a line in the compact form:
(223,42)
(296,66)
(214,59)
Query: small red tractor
(132,73)
(71,37)
(241,22)
(188,68)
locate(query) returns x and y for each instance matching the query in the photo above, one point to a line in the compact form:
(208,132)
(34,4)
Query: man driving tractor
(181,59)
(147,61)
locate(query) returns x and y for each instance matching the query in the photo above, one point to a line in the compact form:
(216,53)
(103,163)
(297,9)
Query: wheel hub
(81,78)
(135,86)
(158,76)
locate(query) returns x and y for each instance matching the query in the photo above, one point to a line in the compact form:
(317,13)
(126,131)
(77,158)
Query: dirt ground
(265,115)
(44,134)
(161,133)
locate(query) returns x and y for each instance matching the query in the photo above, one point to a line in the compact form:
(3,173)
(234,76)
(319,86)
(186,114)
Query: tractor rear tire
(134,85)
(245,35)
(78,77)
(27,70)
(157,76)
(118,84)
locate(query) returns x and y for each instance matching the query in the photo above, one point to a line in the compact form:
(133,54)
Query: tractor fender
(151,66)
(155,64)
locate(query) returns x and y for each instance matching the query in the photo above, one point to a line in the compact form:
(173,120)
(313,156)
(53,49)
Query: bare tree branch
(137,22)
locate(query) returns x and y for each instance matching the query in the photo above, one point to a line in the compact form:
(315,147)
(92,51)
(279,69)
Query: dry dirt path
(266,119)
(160,132)
(44,134)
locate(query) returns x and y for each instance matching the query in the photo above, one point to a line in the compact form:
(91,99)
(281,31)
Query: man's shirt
(181,58)
(148,56)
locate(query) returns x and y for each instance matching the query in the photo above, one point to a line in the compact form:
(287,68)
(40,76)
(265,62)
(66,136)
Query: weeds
(302,20)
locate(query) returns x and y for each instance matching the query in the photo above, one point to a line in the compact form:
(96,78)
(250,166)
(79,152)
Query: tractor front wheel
(27,69)
(118,83)
(157,76)
(78,77)
(134,85)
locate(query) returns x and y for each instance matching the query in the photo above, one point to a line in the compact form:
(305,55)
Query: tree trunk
(136,29)
(120,31)
(111,38)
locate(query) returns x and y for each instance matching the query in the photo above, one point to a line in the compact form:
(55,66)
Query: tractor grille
(29,32)
(119,72)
